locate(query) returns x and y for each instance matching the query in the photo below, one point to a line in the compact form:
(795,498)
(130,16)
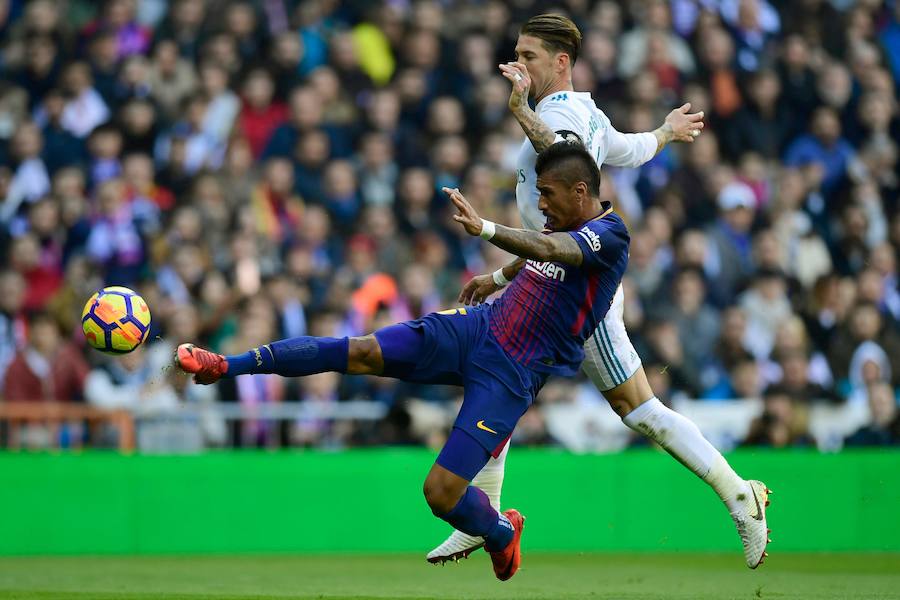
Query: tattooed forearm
(557,247)
(541,136)
(664,134)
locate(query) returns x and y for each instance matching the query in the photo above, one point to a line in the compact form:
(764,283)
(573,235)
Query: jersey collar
(548,97)
(607,209)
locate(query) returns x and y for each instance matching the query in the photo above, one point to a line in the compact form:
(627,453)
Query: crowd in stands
(271,168)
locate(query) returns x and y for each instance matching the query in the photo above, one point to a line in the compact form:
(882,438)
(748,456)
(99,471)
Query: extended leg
(679,436)
(390,352)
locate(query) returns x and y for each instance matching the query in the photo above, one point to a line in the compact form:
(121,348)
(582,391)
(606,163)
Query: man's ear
(562,61)
(581,192)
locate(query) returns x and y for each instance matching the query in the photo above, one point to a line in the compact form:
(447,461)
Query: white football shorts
(609,357)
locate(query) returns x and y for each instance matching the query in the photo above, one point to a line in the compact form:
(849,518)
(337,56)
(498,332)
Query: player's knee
(441,498)
(364,356)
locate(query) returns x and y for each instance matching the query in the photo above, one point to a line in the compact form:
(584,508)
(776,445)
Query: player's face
(531,52)
(560,203)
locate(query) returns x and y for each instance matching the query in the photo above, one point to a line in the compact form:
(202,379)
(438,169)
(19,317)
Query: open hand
(478,289)
(517,73)
(685,126)
(467,215)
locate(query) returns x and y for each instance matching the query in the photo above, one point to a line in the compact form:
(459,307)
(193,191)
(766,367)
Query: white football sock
(490,478)
(681,438)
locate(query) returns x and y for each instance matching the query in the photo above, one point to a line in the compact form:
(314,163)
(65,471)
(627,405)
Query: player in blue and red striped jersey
(501,354)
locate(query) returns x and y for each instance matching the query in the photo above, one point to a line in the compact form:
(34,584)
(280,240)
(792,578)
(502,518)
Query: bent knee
(441,498)
(364,356)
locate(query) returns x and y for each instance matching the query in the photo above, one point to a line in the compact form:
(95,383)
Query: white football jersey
(576,112)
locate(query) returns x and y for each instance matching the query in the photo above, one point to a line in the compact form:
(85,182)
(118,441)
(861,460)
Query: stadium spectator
(261,114)
(729,238)
(783,423)
(12,319)
(48,368)
(884,426)
(170,78)
(85,108)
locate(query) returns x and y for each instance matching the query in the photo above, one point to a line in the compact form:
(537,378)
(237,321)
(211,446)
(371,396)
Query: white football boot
(458,545)
(750,520)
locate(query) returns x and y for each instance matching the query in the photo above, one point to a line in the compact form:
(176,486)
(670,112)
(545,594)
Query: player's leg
(392,352)
(615,369)
(459,544)
(463,506)
(486,419)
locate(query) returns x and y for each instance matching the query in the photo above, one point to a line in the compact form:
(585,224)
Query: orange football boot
(506,562)
(207,367)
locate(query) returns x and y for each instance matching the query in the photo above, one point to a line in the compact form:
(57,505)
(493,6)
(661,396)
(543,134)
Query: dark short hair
(557,32)
(572,163)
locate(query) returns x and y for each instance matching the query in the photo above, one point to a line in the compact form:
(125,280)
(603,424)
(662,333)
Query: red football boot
(506,561)
(207,367)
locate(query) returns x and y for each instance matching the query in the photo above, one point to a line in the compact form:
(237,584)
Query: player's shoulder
(608,228)
(568,101)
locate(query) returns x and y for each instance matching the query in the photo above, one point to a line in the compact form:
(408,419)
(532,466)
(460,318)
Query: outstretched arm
(625,149)
(634,149)
(556,247)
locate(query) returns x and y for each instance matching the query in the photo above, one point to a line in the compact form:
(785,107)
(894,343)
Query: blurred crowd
(271,168)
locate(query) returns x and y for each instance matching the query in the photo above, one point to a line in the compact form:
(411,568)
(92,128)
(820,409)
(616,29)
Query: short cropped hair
(571,162)
(558,33)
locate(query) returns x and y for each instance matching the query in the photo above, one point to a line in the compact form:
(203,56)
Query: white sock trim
(490,478)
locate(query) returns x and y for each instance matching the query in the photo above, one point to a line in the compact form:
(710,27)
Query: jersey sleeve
(630,149)
(599,249)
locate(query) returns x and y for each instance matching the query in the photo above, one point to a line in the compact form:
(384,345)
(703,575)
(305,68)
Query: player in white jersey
(546,49)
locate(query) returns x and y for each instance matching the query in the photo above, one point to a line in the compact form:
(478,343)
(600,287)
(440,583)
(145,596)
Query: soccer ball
(115,320)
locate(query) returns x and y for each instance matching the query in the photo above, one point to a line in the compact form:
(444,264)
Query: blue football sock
(473,514)
(293,357)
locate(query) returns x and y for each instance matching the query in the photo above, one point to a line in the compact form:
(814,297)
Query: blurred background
(270,168)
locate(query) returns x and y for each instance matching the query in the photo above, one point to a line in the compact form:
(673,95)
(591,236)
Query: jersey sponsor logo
(559,97)
(480,425)
(520,176)
(453,311)
(590,237)
(549,270)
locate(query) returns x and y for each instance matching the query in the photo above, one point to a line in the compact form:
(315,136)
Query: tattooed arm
(540,134)
(555,247)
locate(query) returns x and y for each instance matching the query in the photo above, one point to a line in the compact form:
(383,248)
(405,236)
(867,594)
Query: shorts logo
(483,427)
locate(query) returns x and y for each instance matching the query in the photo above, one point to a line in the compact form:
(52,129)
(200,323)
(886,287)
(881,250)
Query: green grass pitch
(543,576)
